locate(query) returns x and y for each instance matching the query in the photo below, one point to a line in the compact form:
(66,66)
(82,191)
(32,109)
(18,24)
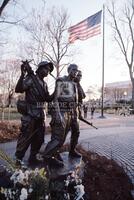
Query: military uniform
(81,93)
(64,115)
(64,118)
(32,123)
(75,131)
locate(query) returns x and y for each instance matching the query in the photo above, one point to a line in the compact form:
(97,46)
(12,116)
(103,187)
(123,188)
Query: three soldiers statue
(65,109)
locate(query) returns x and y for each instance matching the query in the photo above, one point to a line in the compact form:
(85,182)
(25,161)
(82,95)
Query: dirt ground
(104,179)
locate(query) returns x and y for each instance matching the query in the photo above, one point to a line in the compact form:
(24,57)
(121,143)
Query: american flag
(86,29)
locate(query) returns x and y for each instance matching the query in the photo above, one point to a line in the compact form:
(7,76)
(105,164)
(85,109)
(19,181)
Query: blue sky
(90,59)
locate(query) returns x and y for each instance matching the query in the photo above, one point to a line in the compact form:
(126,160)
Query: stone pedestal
(70,164)
(61,183)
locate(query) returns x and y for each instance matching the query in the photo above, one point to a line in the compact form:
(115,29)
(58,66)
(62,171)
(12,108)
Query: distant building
(117,91)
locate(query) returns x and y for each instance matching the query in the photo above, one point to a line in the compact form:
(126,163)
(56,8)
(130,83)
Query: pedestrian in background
(92,111)
(85,109)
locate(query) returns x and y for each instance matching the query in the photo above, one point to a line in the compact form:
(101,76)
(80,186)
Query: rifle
(34,78)
(89,123)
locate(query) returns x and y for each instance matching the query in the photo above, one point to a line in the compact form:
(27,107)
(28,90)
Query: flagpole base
(102,117)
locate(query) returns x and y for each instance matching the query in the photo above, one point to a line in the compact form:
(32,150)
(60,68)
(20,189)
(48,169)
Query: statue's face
(79,76)
(73,73)
(44,71)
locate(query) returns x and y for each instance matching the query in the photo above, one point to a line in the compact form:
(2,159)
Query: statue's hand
(23,70)
(26,68)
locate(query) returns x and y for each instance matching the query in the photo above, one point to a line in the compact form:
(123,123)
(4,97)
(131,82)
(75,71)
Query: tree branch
(4,4)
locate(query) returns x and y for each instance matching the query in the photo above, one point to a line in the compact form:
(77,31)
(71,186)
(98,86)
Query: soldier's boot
(58,156)
(19,163)
(18,160)
(32,160)
(53,162)
(73,152)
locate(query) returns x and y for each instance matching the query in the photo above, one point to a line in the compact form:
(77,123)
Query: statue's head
(44,68)
(72,70)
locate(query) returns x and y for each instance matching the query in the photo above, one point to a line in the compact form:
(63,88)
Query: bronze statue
(75,132)
(64,117)
(32,109)
(81,93)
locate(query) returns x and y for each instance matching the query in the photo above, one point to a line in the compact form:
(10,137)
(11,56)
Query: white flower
(5,192)
(36,171)
(46,197)
(26,174)
(14,175)
(24,194)
(30,190)
(73,174)
(10,193)
(79,191)
(66,182)
(21,177)
(18,176)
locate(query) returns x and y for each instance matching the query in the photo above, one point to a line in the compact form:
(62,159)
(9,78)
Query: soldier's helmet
(72,66)
(44,64)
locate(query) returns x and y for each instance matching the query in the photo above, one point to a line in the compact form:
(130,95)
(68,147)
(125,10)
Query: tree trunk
(132,81)
(3,115)
(58,70)
(9,112)
(133,94)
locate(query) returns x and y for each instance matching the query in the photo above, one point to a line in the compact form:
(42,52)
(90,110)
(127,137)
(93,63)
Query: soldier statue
(64,118)
(32,109)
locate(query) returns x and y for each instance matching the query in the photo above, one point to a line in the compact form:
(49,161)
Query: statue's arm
(23,84)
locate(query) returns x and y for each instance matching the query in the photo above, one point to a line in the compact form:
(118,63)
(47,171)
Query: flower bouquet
(22,183)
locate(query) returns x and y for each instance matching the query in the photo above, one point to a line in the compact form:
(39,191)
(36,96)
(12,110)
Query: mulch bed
(9,130)
(104,179)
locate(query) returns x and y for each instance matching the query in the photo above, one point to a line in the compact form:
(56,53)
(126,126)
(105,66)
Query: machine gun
(87,122)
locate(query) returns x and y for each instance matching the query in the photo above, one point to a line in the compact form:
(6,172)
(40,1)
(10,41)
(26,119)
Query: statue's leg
(51,152)
(25,136)
(75,132)
(57,140)
(38,138)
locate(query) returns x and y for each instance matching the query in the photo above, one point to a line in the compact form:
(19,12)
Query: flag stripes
(87,28)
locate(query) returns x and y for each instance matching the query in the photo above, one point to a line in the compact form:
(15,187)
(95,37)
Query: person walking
(92,111)
(85,109)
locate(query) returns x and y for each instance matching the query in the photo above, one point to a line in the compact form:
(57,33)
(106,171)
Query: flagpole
(103,53)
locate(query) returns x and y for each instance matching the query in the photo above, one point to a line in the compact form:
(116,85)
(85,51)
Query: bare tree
(123,27)
(5,18)
(48,32)
(8,77)
(114,94)
(93,92)
(9,16)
